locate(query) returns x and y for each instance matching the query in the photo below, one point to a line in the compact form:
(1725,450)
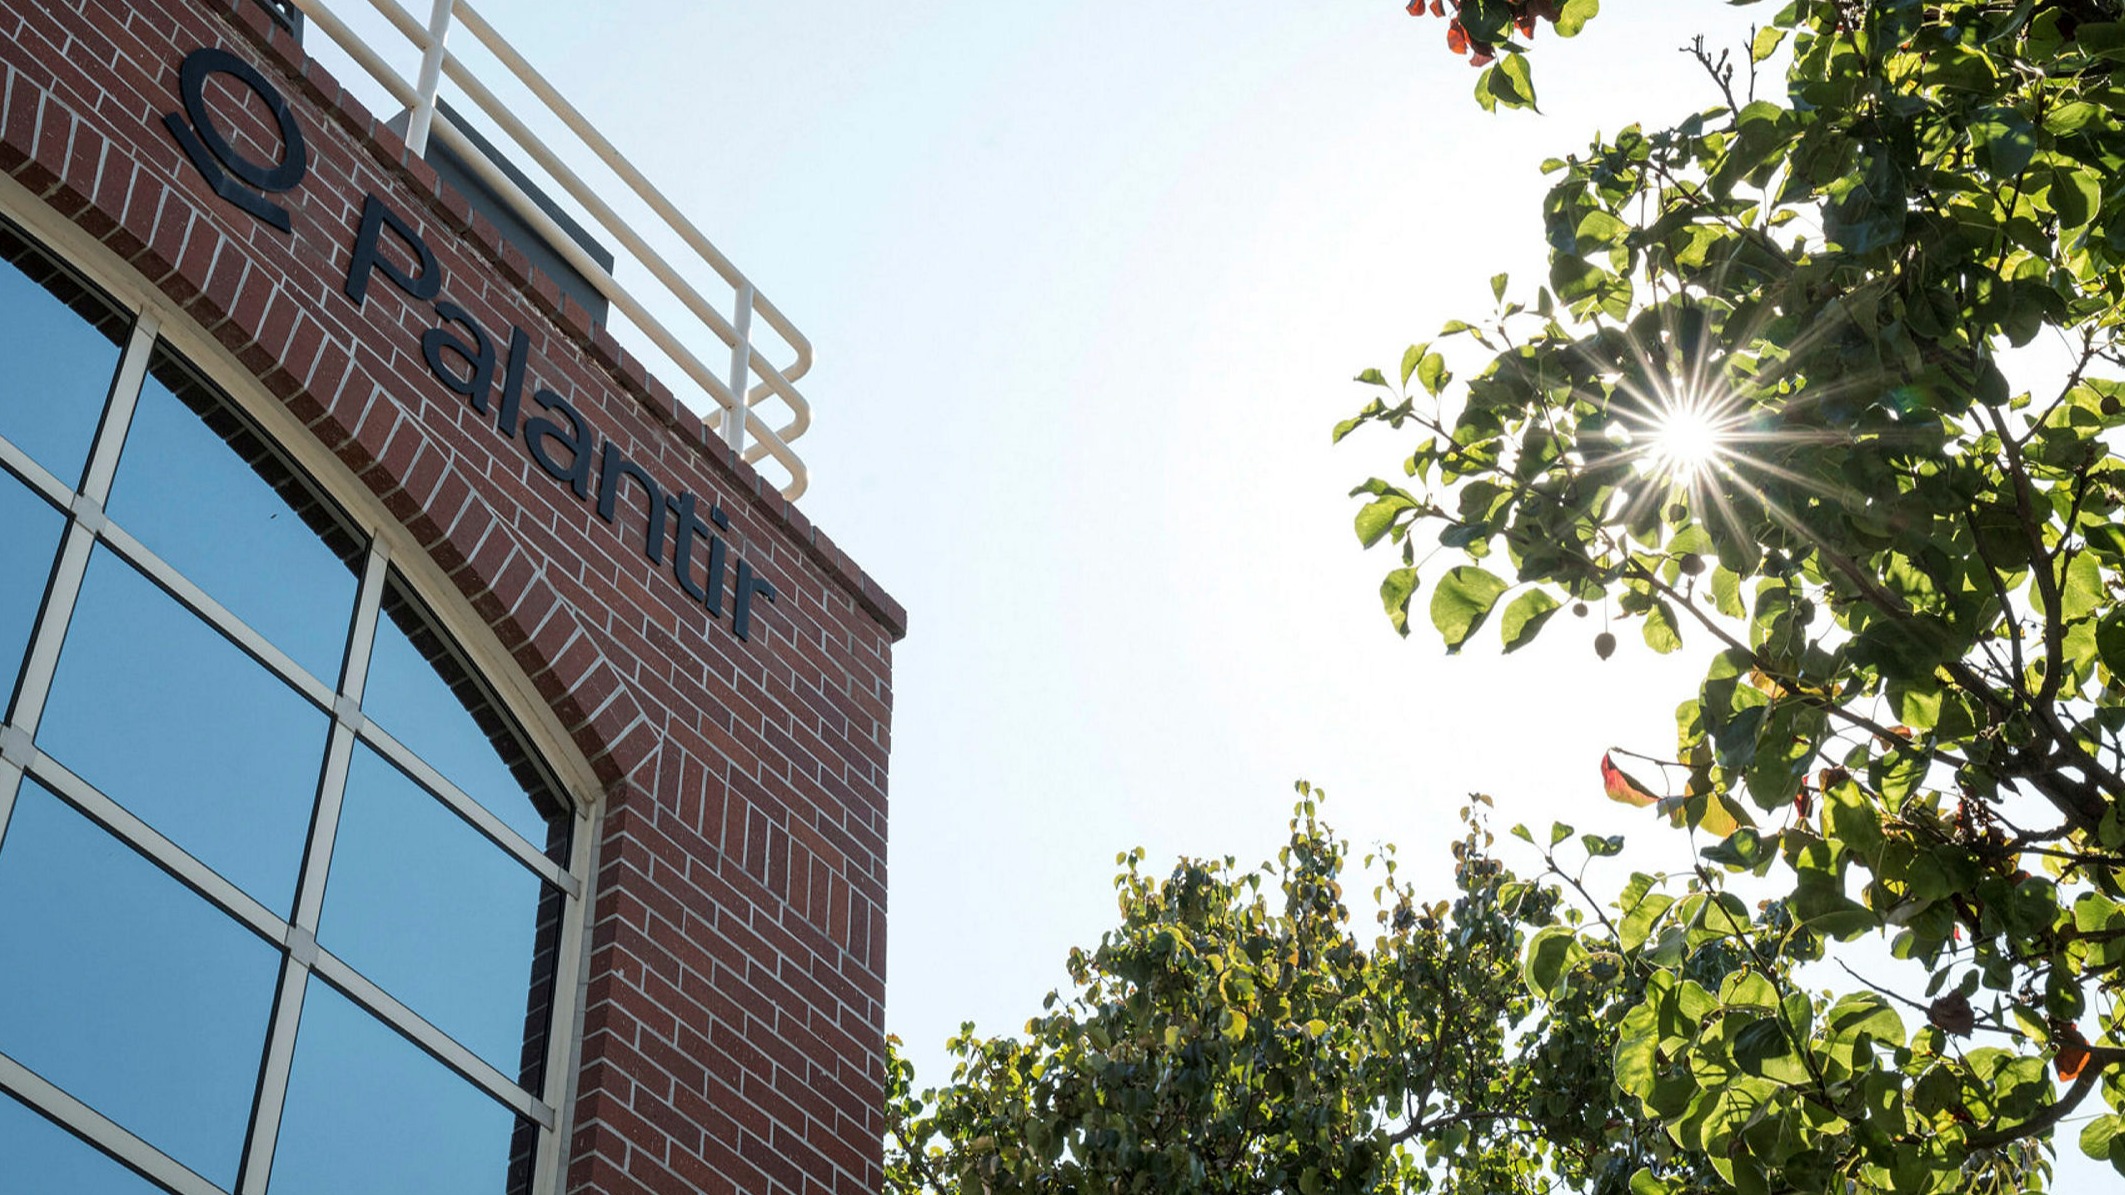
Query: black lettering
(210,151)
(478,356)
(422,284)
(577,439)
(683,534)
(741,611)
(717,551)
(513,381)
(613,468)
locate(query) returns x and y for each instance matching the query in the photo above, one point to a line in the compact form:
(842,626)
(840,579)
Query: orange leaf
(1620,785)
(2071,1058)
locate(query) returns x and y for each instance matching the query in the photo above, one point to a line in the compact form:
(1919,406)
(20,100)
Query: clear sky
(1088,283)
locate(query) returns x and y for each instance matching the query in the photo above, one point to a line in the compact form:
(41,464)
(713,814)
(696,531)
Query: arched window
(287,897)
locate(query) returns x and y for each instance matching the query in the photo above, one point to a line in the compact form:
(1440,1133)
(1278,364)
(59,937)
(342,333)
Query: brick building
(433,759)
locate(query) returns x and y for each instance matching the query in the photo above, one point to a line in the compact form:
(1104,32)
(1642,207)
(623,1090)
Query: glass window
(42,1157)
(59,348)
(171,720)
(198,487)
(29,539)
(127,990)
(432,911)
(419,693)
(368,1112)
(141,995)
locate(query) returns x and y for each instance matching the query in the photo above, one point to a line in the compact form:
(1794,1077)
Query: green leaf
(1506,82)
(1431,373)
(1766,43)
(2005,142)
(1550,953)
(1377,517)
(1640,918)
(1573,15)
(2100,1137)
(1462,601)
(2107,541)
(1410,356)
(1395,591)
(1371,377)
(1661,633)
(2082,590)
(1524,618)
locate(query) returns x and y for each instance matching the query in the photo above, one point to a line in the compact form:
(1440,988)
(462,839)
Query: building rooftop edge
(456,213)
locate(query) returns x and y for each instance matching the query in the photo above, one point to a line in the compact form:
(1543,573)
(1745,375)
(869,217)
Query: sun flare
(1688,437)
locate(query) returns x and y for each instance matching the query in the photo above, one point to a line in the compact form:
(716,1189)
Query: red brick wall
(733,1033)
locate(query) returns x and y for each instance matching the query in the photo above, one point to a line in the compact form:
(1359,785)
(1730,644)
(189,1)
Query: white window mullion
(564,1037)
(51,628)
(482,819)
(301,944)
(40,479)
(273,1080)
(118,416)
(124,825)
(102,1132)
(10,784)
(217,615)
(444,1048)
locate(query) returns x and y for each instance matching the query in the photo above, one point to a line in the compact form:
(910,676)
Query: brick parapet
(733,1037)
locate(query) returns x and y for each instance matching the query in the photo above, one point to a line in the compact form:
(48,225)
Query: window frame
(392,553)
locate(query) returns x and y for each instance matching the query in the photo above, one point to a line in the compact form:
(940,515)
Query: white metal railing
(736,395)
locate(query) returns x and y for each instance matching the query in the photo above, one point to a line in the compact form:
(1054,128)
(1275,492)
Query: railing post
(422,117)
(741,372)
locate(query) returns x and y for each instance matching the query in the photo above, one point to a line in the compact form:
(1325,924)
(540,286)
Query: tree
(1235,1035)
(1767,399)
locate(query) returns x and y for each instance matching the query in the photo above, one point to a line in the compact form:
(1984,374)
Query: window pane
(368,1112)
(419,694)
(41,1156)
(155,708)
(58,350)
(29,538)
(433,912)
(197,486)
(147,1004)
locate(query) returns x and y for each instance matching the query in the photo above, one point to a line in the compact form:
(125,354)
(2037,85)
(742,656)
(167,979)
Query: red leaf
(1621,787)
(1457,37)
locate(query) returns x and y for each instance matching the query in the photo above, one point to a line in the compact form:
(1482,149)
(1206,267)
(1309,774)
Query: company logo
(233,176)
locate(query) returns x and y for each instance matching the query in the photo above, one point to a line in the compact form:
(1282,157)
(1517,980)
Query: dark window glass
(424,698)
(37,1156)
(156,709)
(200,489)
(369,1112)
(29,539)
(126,989)
(432,911)
(58,349)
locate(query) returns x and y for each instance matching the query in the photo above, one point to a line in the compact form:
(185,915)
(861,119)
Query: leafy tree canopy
(1824,379)
(1236,1034)
(1768,400)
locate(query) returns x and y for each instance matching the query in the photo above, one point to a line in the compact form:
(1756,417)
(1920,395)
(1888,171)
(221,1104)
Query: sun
(1687,438)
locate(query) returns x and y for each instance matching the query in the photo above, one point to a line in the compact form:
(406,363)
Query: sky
(1088,284)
